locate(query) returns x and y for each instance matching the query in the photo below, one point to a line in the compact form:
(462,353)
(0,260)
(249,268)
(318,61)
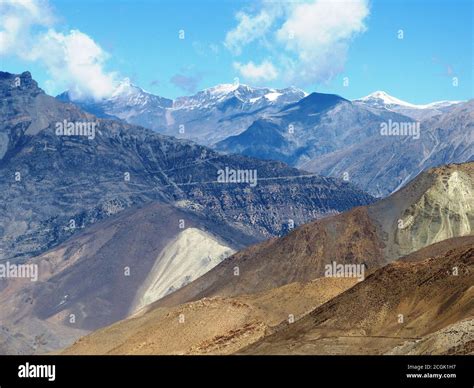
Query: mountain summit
(382,100)
(207,98)
(206,117)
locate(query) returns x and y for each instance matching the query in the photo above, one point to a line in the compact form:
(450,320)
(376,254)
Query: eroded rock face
(444,211)
(189,255)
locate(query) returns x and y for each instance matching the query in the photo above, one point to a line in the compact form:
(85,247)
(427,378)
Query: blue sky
(308,44)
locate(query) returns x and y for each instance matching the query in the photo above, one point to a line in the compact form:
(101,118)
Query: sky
(417,50)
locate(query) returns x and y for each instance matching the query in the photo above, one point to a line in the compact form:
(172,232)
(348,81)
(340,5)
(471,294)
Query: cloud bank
(308,41)
(266,71)
(73,60)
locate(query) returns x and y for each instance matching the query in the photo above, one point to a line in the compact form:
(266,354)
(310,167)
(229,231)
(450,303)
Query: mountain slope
(209,326)
(405,300)
(280,321)
(382,164)
(457,338)
(433,207)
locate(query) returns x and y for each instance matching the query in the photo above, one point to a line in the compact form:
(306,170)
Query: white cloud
(319,34)
(250,28)
(73,60)
(309,39)
(16,19)
(266,71)
(77,61)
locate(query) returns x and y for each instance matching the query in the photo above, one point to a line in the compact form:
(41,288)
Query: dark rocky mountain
(322,133)
(331,136)
(262,140)
(57,185)
(385,163)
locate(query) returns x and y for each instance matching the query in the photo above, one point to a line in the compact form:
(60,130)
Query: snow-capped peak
(383,99)
(246,94)
(126,88)
(222,89)
(127,95)
(239,90)
(216,94)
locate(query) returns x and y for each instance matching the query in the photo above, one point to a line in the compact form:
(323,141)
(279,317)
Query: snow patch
(273,96)
(222,89)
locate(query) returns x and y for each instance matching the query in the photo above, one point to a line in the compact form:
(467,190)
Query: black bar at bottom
(311,371)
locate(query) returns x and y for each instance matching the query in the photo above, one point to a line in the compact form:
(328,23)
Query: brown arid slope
(330,315)
(211,325)
(435,206)
(297,257)
(404,301)
(456,339)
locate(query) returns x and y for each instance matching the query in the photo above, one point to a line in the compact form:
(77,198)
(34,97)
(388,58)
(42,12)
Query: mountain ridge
(126,165)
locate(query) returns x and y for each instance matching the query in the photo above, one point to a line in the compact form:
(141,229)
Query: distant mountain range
(207,117)
(332,136)
(321,133)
